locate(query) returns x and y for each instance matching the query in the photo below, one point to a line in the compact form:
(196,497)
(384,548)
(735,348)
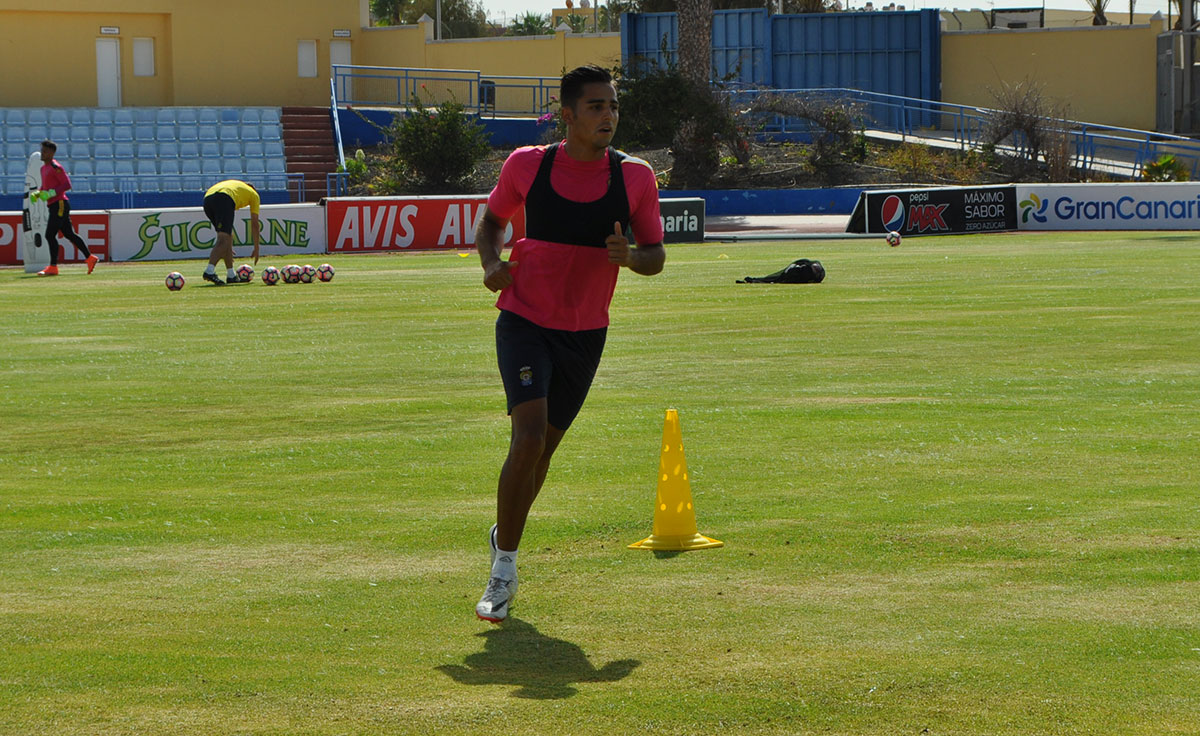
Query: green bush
(1166,168)
(435,149)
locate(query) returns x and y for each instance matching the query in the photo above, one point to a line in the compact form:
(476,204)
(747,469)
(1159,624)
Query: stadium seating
(147,149)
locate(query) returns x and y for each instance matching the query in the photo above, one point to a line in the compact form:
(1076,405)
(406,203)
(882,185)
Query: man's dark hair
(49,144)
(571,87)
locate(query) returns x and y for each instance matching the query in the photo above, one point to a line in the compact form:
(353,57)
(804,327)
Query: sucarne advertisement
(173,234)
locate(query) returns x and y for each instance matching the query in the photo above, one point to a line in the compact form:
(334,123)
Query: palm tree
(1098,7)
(530,24)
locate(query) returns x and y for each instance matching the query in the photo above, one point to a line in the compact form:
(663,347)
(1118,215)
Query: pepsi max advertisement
(943,211)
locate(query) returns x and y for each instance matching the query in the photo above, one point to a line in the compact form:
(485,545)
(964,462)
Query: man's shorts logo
(526,376)
(1034,207)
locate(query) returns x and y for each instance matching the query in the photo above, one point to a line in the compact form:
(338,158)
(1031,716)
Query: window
(143,57)
(306,58)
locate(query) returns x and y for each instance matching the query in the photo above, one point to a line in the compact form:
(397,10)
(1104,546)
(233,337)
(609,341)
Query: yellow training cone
(674,515)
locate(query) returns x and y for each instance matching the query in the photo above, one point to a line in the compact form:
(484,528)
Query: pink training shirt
(562,286)
(55,177)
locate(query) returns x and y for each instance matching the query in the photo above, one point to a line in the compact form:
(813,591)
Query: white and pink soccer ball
(270,275)
(291,274)
(307,274)
(893,238)
(325,272)
(175,281)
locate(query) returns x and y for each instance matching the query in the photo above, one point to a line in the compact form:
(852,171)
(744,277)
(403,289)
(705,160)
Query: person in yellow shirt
(221,201)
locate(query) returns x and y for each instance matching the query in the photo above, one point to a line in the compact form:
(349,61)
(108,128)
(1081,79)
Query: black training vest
(556,219)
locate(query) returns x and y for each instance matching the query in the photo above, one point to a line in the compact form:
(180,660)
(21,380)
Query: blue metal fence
(895,53)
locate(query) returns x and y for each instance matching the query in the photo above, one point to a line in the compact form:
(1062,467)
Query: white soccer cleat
(493,606)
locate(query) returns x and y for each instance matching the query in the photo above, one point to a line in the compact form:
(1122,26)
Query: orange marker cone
(674,515)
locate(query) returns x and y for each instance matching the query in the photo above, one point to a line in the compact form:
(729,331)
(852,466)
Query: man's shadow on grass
(542,667)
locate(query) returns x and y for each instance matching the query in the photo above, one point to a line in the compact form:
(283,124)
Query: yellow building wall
(1104,74)
(215,52)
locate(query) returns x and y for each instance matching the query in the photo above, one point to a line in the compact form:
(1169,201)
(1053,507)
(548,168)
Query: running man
(220,202)
(56,183)
(580,196)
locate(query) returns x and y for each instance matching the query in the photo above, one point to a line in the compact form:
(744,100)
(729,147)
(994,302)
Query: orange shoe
(49,271)
(91,261)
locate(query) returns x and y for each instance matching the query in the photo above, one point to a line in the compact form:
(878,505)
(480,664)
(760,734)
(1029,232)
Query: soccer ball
(245,272)
(307,273)
(270,276)
(325,272)
(175,281)
(291,274)
(893,238)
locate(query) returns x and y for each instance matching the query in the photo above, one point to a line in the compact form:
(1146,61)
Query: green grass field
(957,483)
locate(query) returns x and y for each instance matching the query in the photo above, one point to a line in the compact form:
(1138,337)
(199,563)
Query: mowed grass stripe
(956,482)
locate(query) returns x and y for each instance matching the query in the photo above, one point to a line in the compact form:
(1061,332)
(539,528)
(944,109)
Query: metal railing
(496,95)
(1095,148)
(128,187)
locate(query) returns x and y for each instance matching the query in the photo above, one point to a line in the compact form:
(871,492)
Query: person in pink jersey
(581,197)
(55,179)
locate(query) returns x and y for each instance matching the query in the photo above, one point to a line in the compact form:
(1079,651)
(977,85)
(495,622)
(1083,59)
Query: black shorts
(219,209)
(59,220)
(557,365)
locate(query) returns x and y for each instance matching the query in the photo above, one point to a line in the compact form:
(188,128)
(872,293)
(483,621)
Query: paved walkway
(777,227)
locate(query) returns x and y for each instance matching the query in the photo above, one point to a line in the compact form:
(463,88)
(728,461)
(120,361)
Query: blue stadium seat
(59,117)
(165,116)
(273,149)
(15,167)
(251,116)
(170,181)
(207,132)
(120,133)
(146,151)
(251,132)
(210,149)
(189,132)
(276,166)
(37,117)
(16,151)
(80,133)
(81,116)
(255,167)
(83,167)
(103,180)
(271,132)
(35,133)
(168,149)
(231,149)
(143,133)
(228,132)
(13,132)
(230,115)
(187,116)
(123,151)
(81,177)
(231,167)
(269,116)
(210,166)
(209,116)
(147,166)
(145,115)
(189,149)
(125,167)
(102,150)
(121,116)
(166,133)
(79,151)
(14,117)
(59,133)
(252,149)
(102,116)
